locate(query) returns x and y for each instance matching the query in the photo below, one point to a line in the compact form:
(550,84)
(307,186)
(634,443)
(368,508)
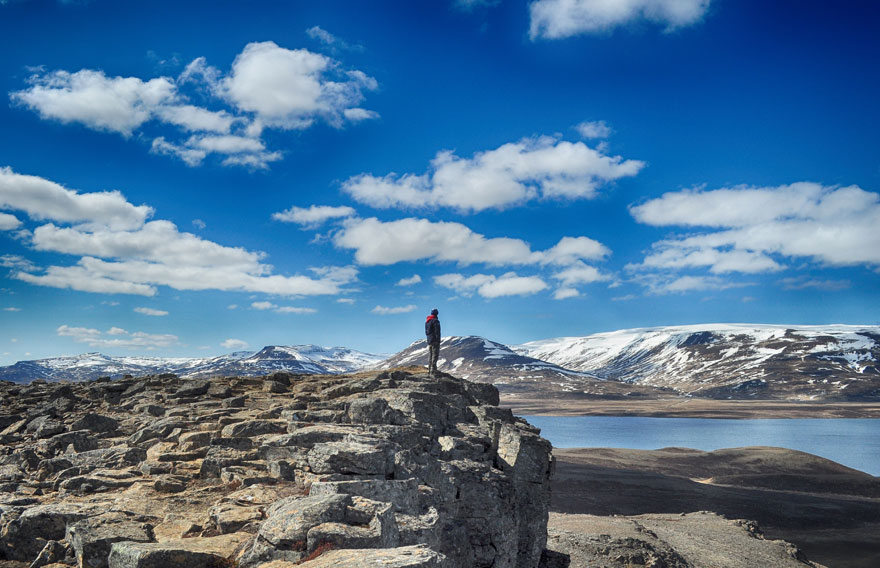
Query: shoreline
(524,405)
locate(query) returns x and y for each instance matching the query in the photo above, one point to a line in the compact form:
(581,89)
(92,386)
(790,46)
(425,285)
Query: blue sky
(188,179)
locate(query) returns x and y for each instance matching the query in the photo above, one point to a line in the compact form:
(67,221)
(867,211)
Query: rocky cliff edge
(394,469)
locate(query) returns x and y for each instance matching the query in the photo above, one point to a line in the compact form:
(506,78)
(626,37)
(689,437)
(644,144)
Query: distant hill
(304,359)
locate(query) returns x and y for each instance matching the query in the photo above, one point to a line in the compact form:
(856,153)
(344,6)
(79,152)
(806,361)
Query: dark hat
(434,312)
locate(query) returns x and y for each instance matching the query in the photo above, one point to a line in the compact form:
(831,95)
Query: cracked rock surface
(390,468)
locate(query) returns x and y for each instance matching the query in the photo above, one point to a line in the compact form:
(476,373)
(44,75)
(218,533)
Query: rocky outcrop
(388,468)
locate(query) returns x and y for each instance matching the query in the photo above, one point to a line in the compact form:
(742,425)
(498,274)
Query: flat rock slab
(694,540)
(404,557)
(211,552)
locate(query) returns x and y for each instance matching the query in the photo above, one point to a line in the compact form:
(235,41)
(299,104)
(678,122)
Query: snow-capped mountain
(831,362)
(729,360)
(479,359)
(304,359)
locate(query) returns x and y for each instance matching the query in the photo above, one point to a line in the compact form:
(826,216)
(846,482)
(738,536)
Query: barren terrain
(830,512)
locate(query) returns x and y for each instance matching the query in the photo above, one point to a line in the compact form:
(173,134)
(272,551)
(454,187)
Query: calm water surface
(853,442)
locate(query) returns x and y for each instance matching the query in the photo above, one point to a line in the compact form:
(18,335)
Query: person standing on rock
(432,335)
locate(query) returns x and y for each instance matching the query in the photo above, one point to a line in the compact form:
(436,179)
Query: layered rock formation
(375,469)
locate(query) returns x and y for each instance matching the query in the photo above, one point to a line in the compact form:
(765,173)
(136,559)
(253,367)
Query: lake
(853,442)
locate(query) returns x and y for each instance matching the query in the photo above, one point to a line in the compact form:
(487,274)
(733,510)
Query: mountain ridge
(719,361)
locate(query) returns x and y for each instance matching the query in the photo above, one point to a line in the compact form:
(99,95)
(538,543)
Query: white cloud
(15,261)
(199,224)
(570,250)
(43,199)
(414,279)
(239,150)
(555,19)
(676,255)
(9,222)
(291,88)
(383,311)
(359,114)
(11,309)
(313,216)
(330,40)
(295,310)
(151,312)
(282,309)
(119,338)
(234,344)
(322,35)
(122,253)
(565,293)
(382,243)
(580,273)
(117,104)
(595,129)
(543,167)
(753,229)
(665,284)
(491,286)
(197,119)
(803,283)
(268,86)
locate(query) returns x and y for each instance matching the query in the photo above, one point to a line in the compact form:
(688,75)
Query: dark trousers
(433,355)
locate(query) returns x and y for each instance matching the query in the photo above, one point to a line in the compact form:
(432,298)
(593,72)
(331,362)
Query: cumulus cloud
(313,216)
(291,88)
(491,286)
(756,229)
(543,167)
(382,243)
(580,273)
(234,344)
(414,279)
(42,199)
(116,104)
(556,19)
(116,338)
(267,86)
(151,312)
(238,150)
(565,293)
(9,222)
(120,252)
(383,311)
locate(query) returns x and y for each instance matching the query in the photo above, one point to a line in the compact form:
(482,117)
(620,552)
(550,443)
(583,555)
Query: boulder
(97,423)
(188,552)
(250,428)
(92,538)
